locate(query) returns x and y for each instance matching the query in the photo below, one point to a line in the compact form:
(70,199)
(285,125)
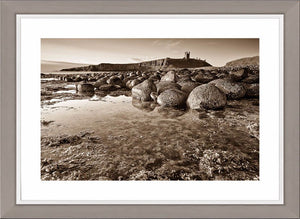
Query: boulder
(100,82)
(153,95)
(231,89)
(172,98)
(252,90)
(188,86)
(130,84)
(144,106)
(143,90)
(184,78)
(251,79)
(85,87)
(203,77)
(170,76)
(166,85)
(107,87)
(206,96)
(238,75)
(115,80)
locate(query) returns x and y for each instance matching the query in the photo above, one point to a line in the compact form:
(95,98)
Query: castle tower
(187,55)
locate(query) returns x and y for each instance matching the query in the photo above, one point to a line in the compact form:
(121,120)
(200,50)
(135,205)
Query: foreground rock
(232,90)
(172,98)
(206,96)
(143,90)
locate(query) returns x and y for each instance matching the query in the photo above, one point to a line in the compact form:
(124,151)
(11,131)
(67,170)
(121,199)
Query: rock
(130,84)
(238,75)
(145,106)
(107,87)
(170,76)
(154,77)
(100,82)
(68,79)
(203,77)
(188,86)
(251,79)
(184,78)
(85,87)
(115,80)
(166,85)
(206,96)
(153,95)
(232,90)
(143,90)
(172,98)
(252,90)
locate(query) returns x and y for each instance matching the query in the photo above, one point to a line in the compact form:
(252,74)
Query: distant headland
(165,63)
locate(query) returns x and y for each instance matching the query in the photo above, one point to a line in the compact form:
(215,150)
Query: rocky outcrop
(206,96)
(143,90)
(143,66)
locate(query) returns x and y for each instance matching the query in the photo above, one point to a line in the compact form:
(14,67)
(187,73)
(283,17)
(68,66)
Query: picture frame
(290,208)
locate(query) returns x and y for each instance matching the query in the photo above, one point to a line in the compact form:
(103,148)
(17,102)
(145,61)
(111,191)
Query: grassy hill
(244,61)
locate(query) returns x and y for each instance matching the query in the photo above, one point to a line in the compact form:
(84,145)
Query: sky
(217,52)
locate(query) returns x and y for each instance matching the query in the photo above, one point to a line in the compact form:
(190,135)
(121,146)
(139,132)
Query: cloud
(137,60)
(173,43)
(167,43)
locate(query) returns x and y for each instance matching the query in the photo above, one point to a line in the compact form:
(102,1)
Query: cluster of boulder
(200,89)
(203,88)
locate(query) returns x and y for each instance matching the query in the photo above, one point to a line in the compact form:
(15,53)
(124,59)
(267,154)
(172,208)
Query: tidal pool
(117,138)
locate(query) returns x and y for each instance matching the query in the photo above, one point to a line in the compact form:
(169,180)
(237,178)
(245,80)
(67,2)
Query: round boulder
(206,96)
(107,87)
(238,75)
(143,90)
(85,87)
(115,80)
(170,76)
(100,82)
(203,77)
(172,98)
(232,90)
(188,86)
(166,85)
(130,84)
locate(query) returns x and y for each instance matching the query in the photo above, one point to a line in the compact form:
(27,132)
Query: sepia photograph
(150,109)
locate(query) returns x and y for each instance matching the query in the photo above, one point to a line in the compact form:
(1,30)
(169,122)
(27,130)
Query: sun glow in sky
(95,51)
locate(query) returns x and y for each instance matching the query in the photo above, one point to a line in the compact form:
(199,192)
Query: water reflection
(169,112)
(86,94)
(144,106)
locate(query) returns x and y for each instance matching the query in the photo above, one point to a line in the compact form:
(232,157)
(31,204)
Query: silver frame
(9,9)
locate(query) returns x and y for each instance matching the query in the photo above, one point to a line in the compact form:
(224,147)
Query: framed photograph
(150,110)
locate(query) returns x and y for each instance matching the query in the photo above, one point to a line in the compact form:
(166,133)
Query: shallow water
(141,140)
